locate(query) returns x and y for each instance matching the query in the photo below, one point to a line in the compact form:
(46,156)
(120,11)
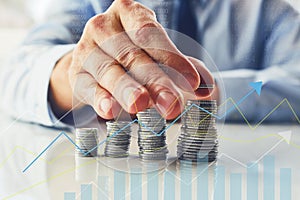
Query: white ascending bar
(252,181)
(119,184)
(69,196)
(152,185)
(285,184)
(202,181)
(235,186)
(186,180)
(86,192)
(219,193)
(136,184)
(169,186)
(269,178)
(103,187)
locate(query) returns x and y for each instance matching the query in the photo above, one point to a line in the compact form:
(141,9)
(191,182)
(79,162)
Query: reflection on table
(252,164)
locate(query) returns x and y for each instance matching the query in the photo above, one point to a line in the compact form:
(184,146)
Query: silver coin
(87,140)
(206,86)
(151,138)
(198,137)
(118,139)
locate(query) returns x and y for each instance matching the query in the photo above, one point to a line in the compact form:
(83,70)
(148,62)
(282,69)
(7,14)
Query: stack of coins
(87,141)
(151,138)
(118,139)
(198,140)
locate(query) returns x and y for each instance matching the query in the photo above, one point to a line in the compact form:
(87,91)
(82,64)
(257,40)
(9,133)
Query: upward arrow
(256,86)
(286,135)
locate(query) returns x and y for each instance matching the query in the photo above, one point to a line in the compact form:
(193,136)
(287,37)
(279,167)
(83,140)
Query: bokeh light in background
(13,14)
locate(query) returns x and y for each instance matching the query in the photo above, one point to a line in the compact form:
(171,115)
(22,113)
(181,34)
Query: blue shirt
(243,41)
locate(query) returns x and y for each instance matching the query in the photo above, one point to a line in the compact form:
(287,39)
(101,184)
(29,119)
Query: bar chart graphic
(187,181)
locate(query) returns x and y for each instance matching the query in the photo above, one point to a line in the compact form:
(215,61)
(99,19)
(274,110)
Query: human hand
(115,64)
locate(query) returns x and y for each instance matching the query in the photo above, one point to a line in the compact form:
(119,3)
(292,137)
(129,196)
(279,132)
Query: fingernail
(166,102)
(203,92)
(193,80)
(106,105)
(130,95)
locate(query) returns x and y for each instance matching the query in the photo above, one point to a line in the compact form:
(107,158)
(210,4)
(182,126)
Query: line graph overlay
(177,177)
(256,88)
(19,148)
(61,134)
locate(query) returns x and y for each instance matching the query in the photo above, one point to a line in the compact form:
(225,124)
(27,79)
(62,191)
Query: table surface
(58,170)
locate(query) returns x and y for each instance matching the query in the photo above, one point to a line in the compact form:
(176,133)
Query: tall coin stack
(118,139)
(87,141)
(151,140)
(198,141)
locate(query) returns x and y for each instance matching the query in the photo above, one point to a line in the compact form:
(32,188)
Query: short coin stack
(198,140)
(118,139)
(151,138)
(87,141)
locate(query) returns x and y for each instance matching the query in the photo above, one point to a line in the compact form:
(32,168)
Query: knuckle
(97,22)
(80,52)
(124,3)
(168,59)
(129,56)
(80,47)
(145,32)
(151,13)
(103,70)
(155,80)
(83,85)
(140,10)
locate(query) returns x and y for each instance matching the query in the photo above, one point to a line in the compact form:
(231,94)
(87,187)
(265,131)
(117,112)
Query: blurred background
(18,16)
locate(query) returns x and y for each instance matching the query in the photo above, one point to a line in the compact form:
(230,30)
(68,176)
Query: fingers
(115,44)
(132,96)
(89,92)
(145,32)
(110,76)
(120,58)
(207,85)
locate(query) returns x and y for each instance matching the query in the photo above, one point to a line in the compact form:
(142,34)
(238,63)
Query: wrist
(60,93)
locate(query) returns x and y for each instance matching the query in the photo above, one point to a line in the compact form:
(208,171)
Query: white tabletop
(58,171)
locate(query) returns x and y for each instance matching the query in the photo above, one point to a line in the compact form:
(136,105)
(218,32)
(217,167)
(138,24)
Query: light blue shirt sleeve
(25,79)
(247,40)
(252,41)
(262,44)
